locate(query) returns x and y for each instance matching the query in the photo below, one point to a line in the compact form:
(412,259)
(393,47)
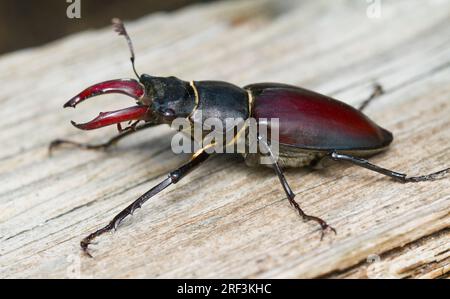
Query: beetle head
(168,97)
(158,99)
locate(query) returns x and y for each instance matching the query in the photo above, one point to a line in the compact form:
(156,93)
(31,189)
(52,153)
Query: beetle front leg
(102,146)
(401,177)
(291,195)
(172,178)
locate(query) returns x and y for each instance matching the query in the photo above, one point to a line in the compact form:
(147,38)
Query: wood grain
(227,220)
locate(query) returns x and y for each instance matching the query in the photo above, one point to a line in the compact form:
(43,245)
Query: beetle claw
(128,87)
(324,228)
(84,247)
(113,117)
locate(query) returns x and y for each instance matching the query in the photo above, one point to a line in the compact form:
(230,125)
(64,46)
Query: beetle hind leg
(291,195)
(401,177)
(377,91)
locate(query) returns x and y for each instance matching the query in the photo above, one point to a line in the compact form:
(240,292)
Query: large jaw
(128,87)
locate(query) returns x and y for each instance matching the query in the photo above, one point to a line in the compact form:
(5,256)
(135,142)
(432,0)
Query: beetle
(313,128)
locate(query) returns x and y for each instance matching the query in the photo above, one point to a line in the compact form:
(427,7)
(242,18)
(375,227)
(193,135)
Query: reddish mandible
(313,128)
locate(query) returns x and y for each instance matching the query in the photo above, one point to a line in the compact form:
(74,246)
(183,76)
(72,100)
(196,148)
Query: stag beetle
(312,127)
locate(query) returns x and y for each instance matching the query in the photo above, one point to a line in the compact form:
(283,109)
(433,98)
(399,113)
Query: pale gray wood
(227,220)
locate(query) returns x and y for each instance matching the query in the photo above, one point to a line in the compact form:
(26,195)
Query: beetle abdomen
(286,157)
(313,121)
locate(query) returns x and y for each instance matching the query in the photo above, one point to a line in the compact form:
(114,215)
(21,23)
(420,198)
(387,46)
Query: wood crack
(361,266)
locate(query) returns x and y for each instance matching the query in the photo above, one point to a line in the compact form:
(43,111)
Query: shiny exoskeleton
(313,128)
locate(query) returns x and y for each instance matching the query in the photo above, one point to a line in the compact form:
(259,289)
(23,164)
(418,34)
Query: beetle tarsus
(376,92)
(323,224)
(84,244)
(112,225)
(323,229)
(428,177)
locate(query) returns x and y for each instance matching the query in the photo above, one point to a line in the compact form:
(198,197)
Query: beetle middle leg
(401,177)
(172,178)
(377,91)
(102,146)
(291,195)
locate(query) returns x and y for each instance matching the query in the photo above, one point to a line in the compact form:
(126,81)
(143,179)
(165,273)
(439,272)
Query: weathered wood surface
(226,220)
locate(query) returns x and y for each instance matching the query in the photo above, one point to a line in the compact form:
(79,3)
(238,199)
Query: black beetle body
(312,127)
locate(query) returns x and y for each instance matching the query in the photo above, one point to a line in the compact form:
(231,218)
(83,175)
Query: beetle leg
(131,126)
(291,195)
(377,91)
(102,146)
(172,178)
(401,177)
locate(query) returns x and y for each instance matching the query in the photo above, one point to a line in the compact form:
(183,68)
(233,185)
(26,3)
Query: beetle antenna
(119,27)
